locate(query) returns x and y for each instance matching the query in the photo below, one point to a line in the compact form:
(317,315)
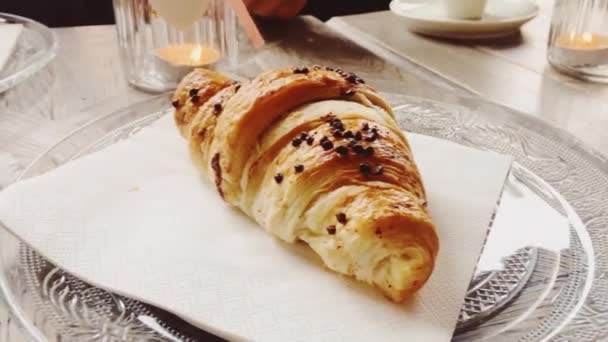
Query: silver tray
(542,274)
(35,47)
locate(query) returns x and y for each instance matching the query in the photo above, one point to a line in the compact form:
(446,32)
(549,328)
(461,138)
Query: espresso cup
(464,9)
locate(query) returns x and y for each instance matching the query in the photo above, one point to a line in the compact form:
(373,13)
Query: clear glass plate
(35,47)
(541,275)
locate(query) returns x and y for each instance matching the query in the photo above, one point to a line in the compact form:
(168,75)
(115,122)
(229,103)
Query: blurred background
(59,13)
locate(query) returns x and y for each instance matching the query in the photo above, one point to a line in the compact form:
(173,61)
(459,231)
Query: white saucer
(500,18)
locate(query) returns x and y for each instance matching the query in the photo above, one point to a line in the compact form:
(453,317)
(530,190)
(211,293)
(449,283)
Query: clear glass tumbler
(162,40)
(578,42)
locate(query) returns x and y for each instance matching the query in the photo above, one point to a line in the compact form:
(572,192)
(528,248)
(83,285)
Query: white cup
(464,9)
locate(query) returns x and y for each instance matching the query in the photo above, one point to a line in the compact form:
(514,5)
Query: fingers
(275,8)
(267,8)
(290,9)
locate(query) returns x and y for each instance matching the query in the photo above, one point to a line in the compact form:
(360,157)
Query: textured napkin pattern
(138,219)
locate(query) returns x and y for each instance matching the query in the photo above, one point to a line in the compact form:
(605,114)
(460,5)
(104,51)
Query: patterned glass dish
(541,275)
(35,47)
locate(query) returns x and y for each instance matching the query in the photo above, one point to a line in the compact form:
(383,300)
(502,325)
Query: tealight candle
(578,39)
(192,55)
(162,40)
(582,41)
(584,48)
(175,61)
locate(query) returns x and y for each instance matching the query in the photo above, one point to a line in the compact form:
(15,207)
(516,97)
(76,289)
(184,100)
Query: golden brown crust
(314,154)
(193,91)
(261,102)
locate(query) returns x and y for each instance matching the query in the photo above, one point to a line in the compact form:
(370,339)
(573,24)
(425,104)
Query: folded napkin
(138,219)
(9,33)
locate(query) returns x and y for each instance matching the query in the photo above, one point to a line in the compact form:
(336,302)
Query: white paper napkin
(9,33)
(138,219)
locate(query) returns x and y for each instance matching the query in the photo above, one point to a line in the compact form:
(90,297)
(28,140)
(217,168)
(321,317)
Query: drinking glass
(578,41)
(162,40)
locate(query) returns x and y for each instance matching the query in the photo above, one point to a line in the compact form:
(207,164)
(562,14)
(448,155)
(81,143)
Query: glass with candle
(160,41)
(578,41)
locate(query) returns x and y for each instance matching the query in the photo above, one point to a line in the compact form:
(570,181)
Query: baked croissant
(314,154)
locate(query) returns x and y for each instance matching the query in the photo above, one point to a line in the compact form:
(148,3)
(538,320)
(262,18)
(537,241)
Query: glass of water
(578,42)
(162,40)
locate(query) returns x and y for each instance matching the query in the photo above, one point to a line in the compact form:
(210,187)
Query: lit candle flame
(189,54)
(582,41)
(587,37)
(195,55)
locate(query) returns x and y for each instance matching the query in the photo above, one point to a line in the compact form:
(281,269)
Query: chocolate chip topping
(310,141)
(358,149)
(365,168)
(352,78)
(298,168)
(217,108)
(238,86)
(342,150)
(193,92)
(372,137)
(337,134)
(303,70)
(278,178)
(217,169)
(358,136)
(368,150)
(303,136)
(331,230)
(327,145)
(348,135)
(296,142)
(337,124)
(195,99)
(348,92)
(341,217)
(175,103)
(365,127)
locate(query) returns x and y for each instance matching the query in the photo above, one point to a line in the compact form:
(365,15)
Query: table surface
(512,71)
(86,80)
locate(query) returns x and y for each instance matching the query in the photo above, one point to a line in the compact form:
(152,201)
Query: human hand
(283,9)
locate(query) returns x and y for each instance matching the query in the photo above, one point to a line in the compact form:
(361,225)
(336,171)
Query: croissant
(314,154)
